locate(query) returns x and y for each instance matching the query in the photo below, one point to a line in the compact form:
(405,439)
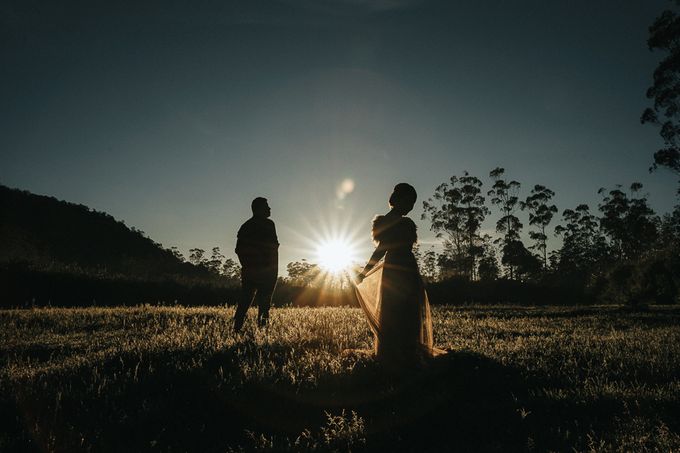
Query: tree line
(621,252)
(624,251)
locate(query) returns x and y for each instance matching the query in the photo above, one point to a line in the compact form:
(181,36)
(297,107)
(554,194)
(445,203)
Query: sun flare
(335,255)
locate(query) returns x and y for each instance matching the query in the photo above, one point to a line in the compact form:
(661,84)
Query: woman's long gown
(393,295)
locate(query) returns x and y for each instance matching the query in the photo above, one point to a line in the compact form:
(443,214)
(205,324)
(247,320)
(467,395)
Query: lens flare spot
(345,188)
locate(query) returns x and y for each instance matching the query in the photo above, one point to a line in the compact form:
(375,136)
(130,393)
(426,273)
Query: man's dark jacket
(257,247)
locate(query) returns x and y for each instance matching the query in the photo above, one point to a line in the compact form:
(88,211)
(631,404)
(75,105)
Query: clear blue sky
(173,115)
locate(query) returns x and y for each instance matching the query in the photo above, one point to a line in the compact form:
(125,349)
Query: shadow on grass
(460,402)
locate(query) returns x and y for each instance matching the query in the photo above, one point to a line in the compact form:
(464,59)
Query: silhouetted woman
(391,292)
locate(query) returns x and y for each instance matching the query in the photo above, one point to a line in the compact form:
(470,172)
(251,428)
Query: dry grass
(177,379)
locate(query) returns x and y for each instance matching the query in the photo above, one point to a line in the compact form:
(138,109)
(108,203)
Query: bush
(655,279)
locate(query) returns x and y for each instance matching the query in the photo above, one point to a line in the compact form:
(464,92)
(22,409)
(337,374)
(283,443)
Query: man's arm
(239,244)
(244,245)
(274,257)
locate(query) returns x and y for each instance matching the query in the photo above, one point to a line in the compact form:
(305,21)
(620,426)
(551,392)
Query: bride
(391,292)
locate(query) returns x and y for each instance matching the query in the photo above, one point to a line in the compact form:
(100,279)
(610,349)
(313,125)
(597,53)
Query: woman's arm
(377,255)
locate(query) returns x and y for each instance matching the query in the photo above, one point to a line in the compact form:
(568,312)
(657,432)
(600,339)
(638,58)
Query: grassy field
(177,379)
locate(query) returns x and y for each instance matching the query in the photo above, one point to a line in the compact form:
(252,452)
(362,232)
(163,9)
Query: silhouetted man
(257,248)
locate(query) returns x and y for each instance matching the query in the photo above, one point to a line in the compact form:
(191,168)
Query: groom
(257,248)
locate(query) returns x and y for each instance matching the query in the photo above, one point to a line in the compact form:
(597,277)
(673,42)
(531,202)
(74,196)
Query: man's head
(260,208)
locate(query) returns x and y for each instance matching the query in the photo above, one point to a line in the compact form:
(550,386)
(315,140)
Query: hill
(49,234)
(53,252)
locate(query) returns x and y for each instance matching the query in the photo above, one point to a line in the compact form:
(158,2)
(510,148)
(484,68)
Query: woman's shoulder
(378,227)
(379,221)
(398,226)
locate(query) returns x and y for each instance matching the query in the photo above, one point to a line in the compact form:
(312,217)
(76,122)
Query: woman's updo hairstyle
(403,195)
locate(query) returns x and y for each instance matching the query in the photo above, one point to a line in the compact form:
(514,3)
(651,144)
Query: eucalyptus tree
(456,212)
(583,245)
(541,213)
(176,253)
(669,231)
(197,257)
(216,260)
(488,268)
(231,270)
(629,222)
(428,265)
(505,195)
(302,273)
(664,35)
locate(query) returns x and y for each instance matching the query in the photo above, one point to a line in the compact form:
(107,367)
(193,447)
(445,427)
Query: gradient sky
(173,116)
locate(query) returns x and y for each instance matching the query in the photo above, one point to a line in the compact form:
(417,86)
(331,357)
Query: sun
(335,255)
